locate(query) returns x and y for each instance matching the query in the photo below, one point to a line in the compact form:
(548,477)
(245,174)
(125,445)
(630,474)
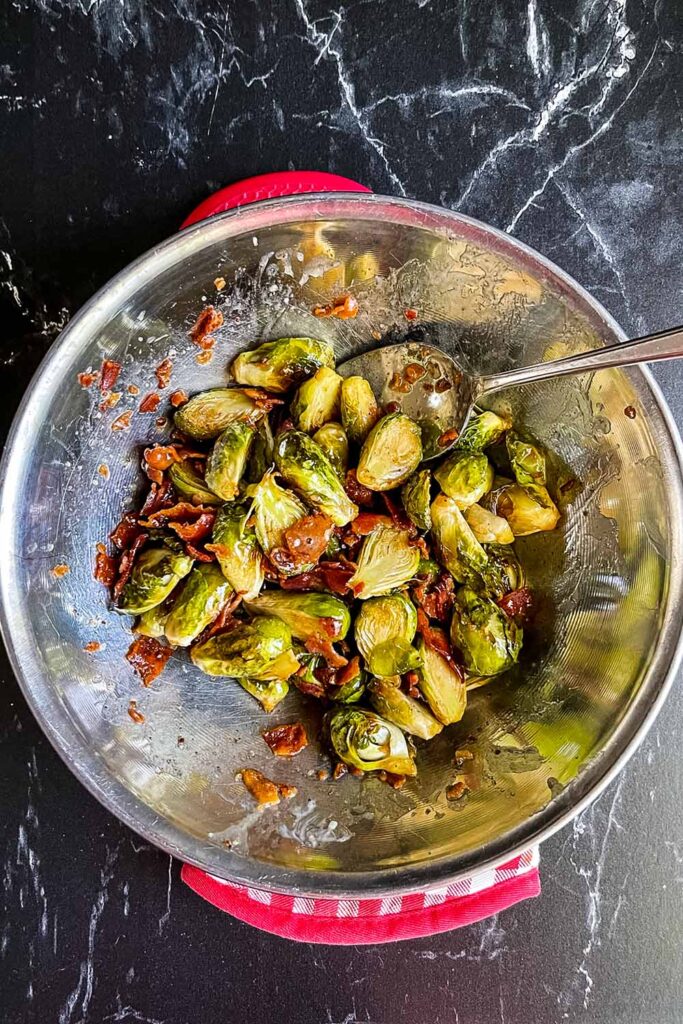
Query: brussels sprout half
(487,527)
(359,411)
(465,477)
(280,365)
(488,640)
(207,414)
(383,631)
(391,453)
(387,560)
(335,444)
(527,509)
(275,510)
(268,693)
(397,707)
(203,594)
(482,431)
(416,498)
(441,685)
(364,740)
(248,651)
(155,574)
(306,614)
(228,459)
(236,548)
(527,460)
(317,400)
(457,547)
(190,484)
(261,457)
(304,466)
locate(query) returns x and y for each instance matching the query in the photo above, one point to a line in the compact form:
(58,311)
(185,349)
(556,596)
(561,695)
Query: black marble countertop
(557,120)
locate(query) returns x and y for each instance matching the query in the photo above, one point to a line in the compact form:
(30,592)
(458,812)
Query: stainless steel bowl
(545,739)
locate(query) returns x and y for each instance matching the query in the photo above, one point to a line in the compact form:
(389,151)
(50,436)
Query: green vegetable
(269,694)
(155,573)
(359,411)
(317,400)
(397,707)
(364,740)
(152,622)
(456,546)
(465,477)
(261,457)
(304,466)
(503,571)
(416,498)
(441,685)
(203,594)
(190,484)
(236,548)
(207,414)
(280,365)
(335,444)
(488,640)
(351,691)
(306,614)
(487,527)
(228,459)
(387,560)
(527,460)
(527,509)
(251,650)
(391,452)
(275,510)
(383,631)
(482,431)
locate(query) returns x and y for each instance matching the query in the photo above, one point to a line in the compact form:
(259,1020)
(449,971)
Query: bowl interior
(542,738)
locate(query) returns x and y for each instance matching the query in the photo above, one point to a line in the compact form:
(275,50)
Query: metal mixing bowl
(545,739)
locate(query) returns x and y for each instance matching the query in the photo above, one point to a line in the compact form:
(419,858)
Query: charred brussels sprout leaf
(155,574)
(304,466)
(280,365)
(416,497)
(527,509)
(441,685)
(207,414)
(269,693)
(204,593)
(527,460)
(335,444)
(275,510)
(488,640)
(503,571)
(251,650)
(482,431)
(397,707)
(359,411)
(237,550)
(384,630)
(457,548)
(190,484)
(317,400)
(152,622)
(465,477)
(366,741)
(227,461)
(387,560)
(391,453)
(307,615)
(261,457)
(487,527)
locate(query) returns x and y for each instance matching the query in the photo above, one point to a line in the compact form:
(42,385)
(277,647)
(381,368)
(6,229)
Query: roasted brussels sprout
(503,571)
(441,685)
(384,630)
(317,400)
(389,700)
(252,650)
(203,594)
(416,498)
(457,547)
(236,548)
(527,509)
(155,574)
(269,693)
(359,411)
(482,431)
(387,560)
(280,365)
(228,459)
(465,477)
(334,442)
(275,510)
(304,466)
(527,460)
(487,527)
(261,457)
(488,640)
(391,453)
(364,740)
(306,614)
(207,414)
(152,622)
(352,690)
(190,484)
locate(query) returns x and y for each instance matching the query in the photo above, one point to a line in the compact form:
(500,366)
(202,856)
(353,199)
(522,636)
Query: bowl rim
(88,766)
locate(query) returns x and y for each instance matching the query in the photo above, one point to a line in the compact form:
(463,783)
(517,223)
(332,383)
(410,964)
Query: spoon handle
(664,345)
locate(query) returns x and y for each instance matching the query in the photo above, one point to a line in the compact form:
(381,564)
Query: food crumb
(442,384)
(208,321)
(456,791)
(150,403)
(136,715)
(122,422)
(630,412)
(340,770)
(163,373)
(103,470)
(133,389)
(448,437)
(178,398)
(87,379)
(286,740)
(181,741)
(410,314)
(219,284)
(111,399)
(204,357)
(160,422)
(464,755)
(92,646)
(109,374)
(60,570)
(376,335)
(264,790)
(343,308)
(322,774)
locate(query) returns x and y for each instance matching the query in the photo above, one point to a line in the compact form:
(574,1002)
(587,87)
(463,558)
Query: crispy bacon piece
(343,308)
(264,790)
(358,492)
(366,522)
(178,398)
(86,379)
(92,646)
(150,403)
(136,715)
(398,516)
(436,639)
(225,620)
(105,566)
(322,645)
(162,456)
(60,570)
(263,400)
(518,604)
(448,437)
(198,530)
(309,687)
(122,422)
(163,373)
(160,496)
(307,539)
(349,671)
(436,599)
(109,374)
(126,563)
(286,740)
(410,314)
(183,510)
(125,532)
(327,576)
(208,321)
(148,657)
(200,554)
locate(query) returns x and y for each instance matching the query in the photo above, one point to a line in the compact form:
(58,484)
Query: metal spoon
(430,387)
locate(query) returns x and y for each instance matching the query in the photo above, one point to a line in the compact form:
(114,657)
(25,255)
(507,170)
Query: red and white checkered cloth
(345,922)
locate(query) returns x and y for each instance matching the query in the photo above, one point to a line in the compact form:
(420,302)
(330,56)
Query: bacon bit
(436,639)
(163,373)
(123,421)
(92,646)
(208,321)
(456,791)
(127,562)
(340,770)
(125,532)
(413,372)
(198,553)
(395,781)
(178,398)
(103,470)
(105,567)
(358,492)
(286,740)
(263,790)
(109,374)
(219,284)
(436,599)
(366,522)
(133,389)
(399,517)
(518,605)
(448,437)
(112,399)
(86,380)
(136,715)
(225,621)
(160,422)
(161,457)
(263,400)
(317,644)
(308,537)
(309,687)
(348,672)
(442,384)
(204,357)
(197,530)
(343,308)
(61,570)
(398,383)
(160,496)
(463,755)
(410,314)
(148,657)
(183,510)
(327,576)
(322,774)
(357,773)
(391,407)
(630,412)
(150,403)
